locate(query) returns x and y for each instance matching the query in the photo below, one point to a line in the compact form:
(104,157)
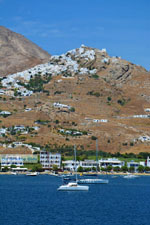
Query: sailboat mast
(75,158)
(96,155)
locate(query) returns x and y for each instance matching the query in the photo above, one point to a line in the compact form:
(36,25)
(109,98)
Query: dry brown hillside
(108,98)
(17,53)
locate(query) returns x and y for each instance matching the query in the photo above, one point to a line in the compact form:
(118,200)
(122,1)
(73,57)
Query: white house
(144,138)
(2,92)
(147,110)
(59,105)
(5,113)
(48,159)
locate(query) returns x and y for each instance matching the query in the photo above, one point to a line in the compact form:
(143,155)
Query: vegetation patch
(72,132)
(42,122)
(95,76)
(97,94)
(36,83)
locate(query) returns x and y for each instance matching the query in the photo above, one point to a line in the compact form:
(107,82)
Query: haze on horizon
(123,28)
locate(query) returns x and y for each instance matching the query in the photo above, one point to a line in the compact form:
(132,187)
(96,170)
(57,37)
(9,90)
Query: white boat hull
(14,173)
(67,187)
(93,181)
(130,176)
(32,174)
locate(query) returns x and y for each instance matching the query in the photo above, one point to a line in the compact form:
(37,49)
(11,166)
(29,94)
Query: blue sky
(122,27)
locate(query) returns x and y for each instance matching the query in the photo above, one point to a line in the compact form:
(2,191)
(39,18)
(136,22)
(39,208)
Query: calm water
(36,201)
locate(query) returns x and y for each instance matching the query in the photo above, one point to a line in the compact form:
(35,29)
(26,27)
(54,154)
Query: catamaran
(94,181)
(73,186)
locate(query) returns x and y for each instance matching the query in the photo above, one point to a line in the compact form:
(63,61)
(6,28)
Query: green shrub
(95,76)
(109,99)
(93,138)
(72,109)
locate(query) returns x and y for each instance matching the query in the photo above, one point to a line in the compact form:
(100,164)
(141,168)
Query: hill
(77,97)
(17,53)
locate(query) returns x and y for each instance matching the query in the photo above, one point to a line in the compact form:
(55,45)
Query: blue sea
(35,201)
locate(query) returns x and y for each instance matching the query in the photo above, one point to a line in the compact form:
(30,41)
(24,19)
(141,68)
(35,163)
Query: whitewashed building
(133,164)
(111,162)
(89,164)
(70,165)
(11,160)
(48,159)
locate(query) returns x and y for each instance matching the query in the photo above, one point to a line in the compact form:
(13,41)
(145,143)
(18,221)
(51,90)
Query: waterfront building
(133,164)
(48,159)
(89,164)
(111,162)
(10,160)
(27,158)
(70,165)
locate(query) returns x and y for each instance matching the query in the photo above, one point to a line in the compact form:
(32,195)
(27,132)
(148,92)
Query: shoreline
(64,173)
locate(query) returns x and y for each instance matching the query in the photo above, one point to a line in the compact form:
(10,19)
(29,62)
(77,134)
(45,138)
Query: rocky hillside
(75,98)
(17,53)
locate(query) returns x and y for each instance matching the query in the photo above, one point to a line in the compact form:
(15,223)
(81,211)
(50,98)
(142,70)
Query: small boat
(130,176)
(14,173)
(73,187)
(93,181)
(32,174)
(114,176)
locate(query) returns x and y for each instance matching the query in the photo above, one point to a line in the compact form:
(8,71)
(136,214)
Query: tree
(80,169)
(13,166)
(131,169)
(37,168)
(55,168)
(5,169)
(116,169)
(124,168)
(72,109)
(57,121)
(87,169)
(109,168)
(103,169)
(108,98)
(141,169)
(147,168)
(93,138)
(93,168)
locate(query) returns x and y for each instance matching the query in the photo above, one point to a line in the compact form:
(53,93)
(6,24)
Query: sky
(122,27)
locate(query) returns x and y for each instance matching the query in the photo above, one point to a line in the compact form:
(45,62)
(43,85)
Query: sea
(26,200)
